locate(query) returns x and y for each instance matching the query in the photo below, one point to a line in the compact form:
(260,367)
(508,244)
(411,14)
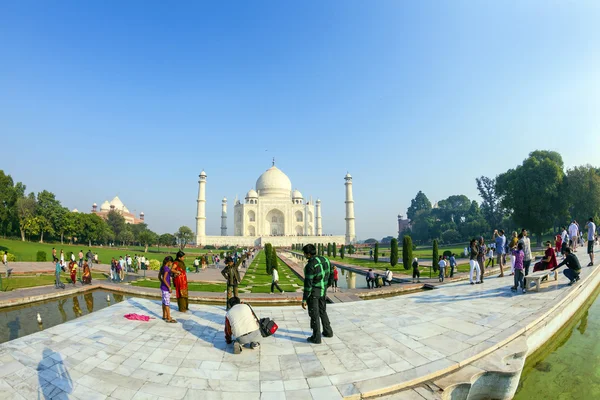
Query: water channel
(21,320)
(568,367)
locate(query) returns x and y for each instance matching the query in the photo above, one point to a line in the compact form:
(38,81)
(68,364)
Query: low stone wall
(277,241)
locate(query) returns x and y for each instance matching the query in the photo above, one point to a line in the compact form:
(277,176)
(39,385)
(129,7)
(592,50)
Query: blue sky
(135,98)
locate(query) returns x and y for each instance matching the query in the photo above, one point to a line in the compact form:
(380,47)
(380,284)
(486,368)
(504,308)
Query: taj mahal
(272,213)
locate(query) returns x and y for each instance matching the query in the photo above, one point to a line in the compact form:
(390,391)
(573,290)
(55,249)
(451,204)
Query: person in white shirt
(72,256)
(197,264)
(275,282)
(128,259)
(573,234)
(591,239)
(387,277)
(241,323)
(564,236)
(5,262)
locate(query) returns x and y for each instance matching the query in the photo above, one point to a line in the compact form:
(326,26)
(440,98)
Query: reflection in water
(14,327)
(21,320)
(351,279)
(89,302)
(583,324)
(61,309)
(118,297)
(53,363)
(76,309)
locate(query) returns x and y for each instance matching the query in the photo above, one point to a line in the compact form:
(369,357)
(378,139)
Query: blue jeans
(571,274)
(442,273)
(58,283)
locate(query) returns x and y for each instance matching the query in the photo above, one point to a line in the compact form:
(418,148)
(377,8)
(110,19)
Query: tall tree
(334,249)
(435,256)
(533,191)
(49,208)
(491,207)
(582,189)
(407,251)
(184,235)
(420,202)
(376,252)
(167,239)
(116,222)
(25,212)
(125,236)
(8,203)
(394,252)
(146,238)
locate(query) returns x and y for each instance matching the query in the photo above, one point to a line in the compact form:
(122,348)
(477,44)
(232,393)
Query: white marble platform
(377,344)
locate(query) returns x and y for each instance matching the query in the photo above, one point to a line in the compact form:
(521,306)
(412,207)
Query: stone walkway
(377,344)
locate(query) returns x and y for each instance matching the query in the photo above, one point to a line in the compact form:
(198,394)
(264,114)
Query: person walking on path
(121,268)
(197,264)
(473,263)
(591,226)
(416,274)
(242,324)
(573,235)
(73,271)
(490,257)
(181,282)
(90,258)
(129,263)
(62,257)
(318,277)
(518,255)
(481,250)
(57,271)
(86,276)
(442,268)
(232,276)
(80,258)
(524,239)
(387,277)
(275,281)
(53,253)
(573,266)
(336,276)
(564,236)
(452,264)
(5,262)
(165,288)
(500,240)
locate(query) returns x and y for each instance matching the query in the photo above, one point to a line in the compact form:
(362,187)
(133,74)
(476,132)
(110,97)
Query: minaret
(318,213)
(224,217)
(201,211)
(350,232)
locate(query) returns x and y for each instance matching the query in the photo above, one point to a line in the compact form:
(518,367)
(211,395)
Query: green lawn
(399,269)
(26,251)
(256,279)
(25,281)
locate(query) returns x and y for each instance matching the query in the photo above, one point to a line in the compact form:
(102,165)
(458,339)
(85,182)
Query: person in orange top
(73,271)
(558,244)
(180,280)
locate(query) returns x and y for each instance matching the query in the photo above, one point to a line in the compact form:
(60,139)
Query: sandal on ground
(171,321)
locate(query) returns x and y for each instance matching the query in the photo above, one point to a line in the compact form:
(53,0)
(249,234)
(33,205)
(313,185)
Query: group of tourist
(73,267)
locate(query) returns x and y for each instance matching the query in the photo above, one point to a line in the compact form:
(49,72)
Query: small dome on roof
(224,199)
(142,213)
(348,176)
(251,194)
(203,174)
(75,210)
(296,194)
(95,205)
(318,201)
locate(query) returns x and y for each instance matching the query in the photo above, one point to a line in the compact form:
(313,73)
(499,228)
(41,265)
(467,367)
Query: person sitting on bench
(573,266)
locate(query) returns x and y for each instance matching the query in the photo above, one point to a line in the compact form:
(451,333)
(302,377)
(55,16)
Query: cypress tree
(268,252)
(274,260)
(342,251)
(328,249)
(394,252)
(407,251)
(334,250)
(376,252)
(435,255)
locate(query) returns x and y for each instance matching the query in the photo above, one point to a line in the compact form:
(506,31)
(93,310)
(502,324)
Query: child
(58,270)
(165,287)
(335,278)
(518,256)
(558,244)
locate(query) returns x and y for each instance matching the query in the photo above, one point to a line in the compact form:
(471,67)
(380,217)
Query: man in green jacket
(318,276)
(231,274)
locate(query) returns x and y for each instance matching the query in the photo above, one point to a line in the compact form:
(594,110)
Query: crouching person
(242,324)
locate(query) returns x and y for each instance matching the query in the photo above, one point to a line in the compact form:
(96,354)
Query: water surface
(568,367)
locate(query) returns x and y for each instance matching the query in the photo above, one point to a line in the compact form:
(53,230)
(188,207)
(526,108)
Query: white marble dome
(274,183)
(105,206)
(251,194)
(296,194)
(117,203)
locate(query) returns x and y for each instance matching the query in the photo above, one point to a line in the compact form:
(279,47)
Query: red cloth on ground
(137,317)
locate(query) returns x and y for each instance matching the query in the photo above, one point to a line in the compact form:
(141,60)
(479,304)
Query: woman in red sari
(180,280)
(558,246)
(549,260)
(73,271)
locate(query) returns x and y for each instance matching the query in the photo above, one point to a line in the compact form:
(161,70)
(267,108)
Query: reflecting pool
(21,320)
(569,366)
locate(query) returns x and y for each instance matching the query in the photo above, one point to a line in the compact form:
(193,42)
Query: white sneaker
(237,348)
(282,292)
(272,293)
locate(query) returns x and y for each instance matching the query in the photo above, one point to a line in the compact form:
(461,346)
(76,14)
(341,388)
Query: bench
(537,278)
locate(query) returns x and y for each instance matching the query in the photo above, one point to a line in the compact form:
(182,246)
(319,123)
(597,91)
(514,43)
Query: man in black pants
(318,276)
(573,266)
